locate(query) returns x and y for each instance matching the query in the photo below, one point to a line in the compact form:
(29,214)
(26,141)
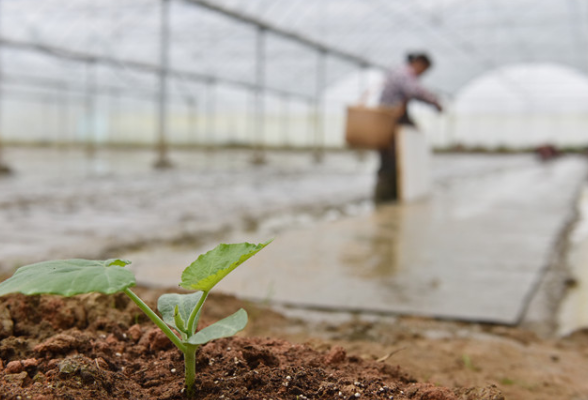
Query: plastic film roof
(464,37)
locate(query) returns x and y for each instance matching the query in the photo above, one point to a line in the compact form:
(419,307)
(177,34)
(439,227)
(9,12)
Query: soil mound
(101,347)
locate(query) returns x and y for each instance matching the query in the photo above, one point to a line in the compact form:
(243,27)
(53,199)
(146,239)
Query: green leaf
(210,268)
(70,277)
(224,328)
(116,261)
(178,321)
(185,303)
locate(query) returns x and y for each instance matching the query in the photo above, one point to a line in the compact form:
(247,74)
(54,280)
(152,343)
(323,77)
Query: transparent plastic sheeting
(52,96)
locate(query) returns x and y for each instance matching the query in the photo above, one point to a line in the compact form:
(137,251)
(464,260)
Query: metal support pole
(319,132)
(192,123)
(64,118)
(57,121)
(210,115)
(46,126)
(286,121)
(450,126)
(90,109)
(162,127)
(258,149)
(311,123)
(113,107)
(4,169)
(363,96)
(363,83)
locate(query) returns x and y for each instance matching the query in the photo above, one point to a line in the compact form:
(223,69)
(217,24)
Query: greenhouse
(259,73)
(448,262)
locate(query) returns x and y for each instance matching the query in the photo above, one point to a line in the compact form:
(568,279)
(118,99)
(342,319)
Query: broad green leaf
(70,277)
(185,303)
(224,328)
(210,268)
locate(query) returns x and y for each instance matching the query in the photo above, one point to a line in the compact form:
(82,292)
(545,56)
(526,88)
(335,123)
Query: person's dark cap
(421,57)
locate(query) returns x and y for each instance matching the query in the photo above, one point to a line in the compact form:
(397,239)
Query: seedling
(179,311)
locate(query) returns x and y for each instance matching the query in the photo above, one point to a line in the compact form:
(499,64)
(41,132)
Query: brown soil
(102,347)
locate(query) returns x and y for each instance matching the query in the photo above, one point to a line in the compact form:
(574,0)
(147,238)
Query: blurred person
(402,85)
(547,152)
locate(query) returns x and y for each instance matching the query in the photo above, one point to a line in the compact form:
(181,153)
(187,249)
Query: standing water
(574,309)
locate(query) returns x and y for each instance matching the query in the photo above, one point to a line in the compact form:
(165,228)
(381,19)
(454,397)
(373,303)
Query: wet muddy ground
(60,205)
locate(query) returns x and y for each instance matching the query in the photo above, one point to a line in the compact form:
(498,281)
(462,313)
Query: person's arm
(414,90)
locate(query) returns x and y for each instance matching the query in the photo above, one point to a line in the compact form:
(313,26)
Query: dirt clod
(155,340)
(15,367)
(61,343)
(135,332)
(16,379)
(336,355)
(486,393)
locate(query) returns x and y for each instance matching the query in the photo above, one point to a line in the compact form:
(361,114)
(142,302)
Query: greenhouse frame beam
(287,34)
(162,161)
(51,83)
(4,169)
(90,108)
(321,77)
(260,58)
(80,56)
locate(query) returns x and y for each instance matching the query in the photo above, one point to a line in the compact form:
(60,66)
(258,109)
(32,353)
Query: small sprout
(467,362)
(179,311)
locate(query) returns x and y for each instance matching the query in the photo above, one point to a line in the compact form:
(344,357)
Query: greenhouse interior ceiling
(249,59)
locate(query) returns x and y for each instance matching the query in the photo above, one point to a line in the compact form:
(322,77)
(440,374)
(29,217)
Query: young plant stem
(156,320)
(192,320)
(190,368)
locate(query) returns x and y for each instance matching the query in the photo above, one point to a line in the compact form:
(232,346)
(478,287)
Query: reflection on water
(375,251)
(472,251)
